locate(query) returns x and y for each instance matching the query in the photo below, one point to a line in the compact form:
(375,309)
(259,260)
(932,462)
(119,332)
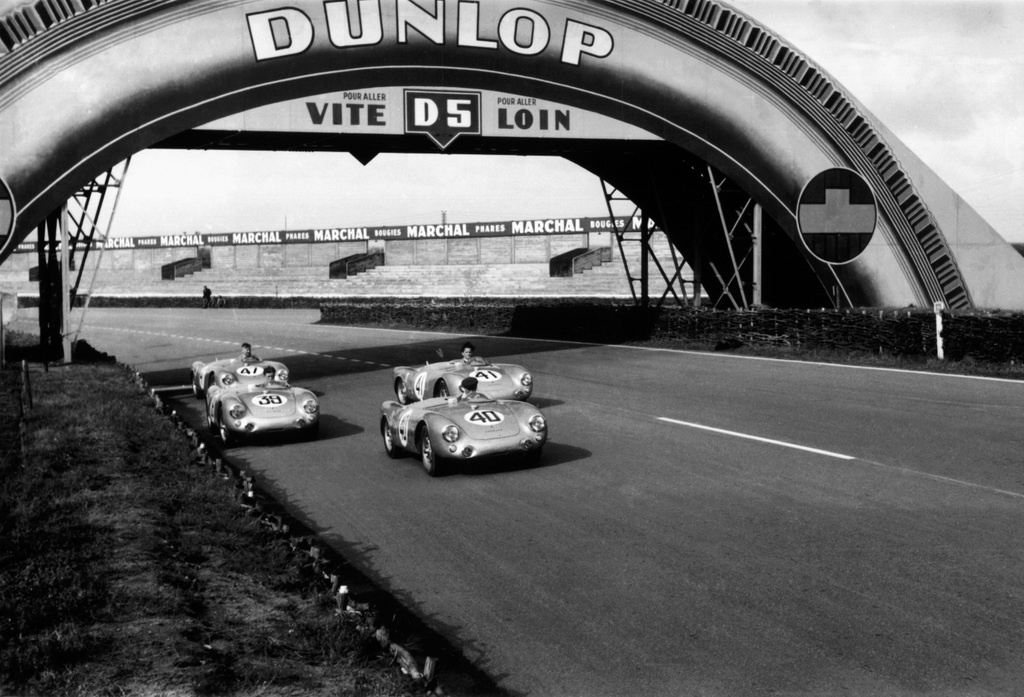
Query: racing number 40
(485,417)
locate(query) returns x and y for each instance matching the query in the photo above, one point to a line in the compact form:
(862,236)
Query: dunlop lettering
(353,24)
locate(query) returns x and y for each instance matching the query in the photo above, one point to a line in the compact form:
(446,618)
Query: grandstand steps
(442,280)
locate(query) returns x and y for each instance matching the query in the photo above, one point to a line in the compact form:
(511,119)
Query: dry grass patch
(125,569)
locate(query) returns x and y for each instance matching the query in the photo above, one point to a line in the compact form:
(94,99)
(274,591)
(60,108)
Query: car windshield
(477,360)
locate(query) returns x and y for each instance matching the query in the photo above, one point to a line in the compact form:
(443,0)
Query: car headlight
(450,433)
(237,411)
(538,423)
(282,375)
(527,379)
(310,406)
(229,379)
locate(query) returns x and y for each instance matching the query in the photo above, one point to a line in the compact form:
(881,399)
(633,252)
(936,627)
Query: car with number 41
(228,372)
(496,380)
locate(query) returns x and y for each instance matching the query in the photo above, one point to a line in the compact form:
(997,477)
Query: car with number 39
(270,408)
(445,430)
(497,380)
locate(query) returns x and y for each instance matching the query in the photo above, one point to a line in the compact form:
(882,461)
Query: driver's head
(270,372)
(468,385)
(467,350)
(246,348)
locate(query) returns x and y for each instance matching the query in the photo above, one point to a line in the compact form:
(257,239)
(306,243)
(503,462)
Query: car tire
(389,441)
(402,392)
(227,438)
(441,389)
(428,458)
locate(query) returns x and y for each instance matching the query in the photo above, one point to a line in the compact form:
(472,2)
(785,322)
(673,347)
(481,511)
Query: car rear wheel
(441,389)
(428,457)
(402,392)
(389,441)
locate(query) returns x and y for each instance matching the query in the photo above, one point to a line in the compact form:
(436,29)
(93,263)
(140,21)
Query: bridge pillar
(54,295)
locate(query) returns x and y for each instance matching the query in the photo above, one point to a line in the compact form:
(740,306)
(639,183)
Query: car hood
(481,419)
(269,401)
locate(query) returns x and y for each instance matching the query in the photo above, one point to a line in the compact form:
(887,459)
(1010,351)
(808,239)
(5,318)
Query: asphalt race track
(701,524)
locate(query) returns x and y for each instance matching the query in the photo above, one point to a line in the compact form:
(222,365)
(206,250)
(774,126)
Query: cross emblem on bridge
(836,215)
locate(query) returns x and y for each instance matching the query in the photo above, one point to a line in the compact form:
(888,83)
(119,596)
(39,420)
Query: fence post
(939,306)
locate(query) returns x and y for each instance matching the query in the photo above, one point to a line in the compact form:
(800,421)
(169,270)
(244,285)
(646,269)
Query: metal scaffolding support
(632,226)
(83,224)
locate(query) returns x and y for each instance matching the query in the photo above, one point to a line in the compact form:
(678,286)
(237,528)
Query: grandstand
(323,263)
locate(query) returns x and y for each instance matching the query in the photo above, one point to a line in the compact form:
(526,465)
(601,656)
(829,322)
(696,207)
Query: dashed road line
(232,343)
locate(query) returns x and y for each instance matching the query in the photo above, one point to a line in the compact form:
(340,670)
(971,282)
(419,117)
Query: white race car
(496,380)
(273,407)
(231,371)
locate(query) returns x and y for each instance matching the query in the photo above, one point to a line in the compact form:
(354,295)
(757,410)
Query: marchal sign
(531,227)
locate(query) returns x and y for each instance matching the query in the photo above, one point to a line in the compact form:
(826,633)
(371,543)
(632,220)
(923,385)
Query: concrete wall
(455,251)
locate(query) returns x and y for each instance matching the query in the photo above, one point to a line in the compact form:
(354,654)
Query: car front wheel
(428,457)
(389,440)
(226,436)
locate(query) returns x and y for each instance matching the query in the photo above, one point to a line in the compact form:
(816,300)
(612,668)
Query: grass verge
(126,569)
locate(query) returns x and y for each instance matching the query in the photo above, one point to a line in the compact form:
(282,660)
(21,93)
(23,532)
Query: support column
(756,234)
(50,302)
(645,254)
(65,286)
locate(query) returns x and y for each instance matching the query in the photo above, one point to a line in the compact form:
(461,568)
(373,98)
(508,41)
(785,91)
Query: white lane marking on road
(706,354)
(904,470)
(757,438)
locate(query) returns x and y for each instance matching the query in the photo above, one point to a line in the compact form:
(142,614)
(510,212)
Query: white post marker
(939,306)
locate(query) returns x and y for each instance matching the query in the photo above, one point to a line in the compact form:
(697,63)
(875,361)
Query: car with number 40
(444,430)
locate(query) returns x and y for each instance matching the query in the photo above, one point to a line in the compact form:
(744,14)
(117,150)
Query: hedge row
(984,336)
(993,337)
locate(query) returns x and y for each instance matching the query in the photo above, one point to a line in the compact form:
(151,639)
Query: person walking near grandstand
(207,296)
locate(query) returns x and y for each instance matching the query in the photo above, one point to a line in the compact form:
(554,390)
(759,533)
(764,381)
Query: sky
(946,77)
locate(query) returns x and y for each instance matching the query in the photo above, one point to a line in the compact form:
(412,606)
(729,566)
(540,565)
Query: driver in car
(271,379)
(467,390)
(247,354)
(468,355)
